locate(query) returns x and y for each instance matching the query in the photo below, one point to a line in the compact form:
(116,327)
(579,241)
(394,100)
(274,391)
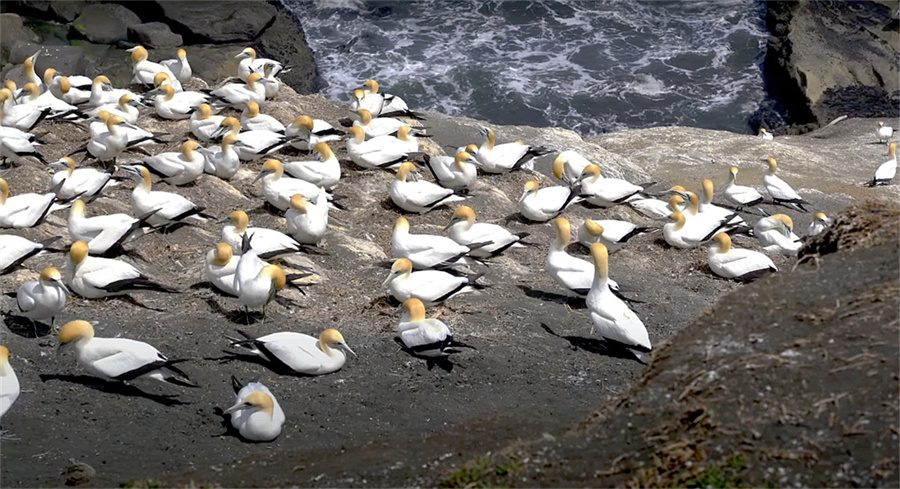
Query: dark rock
(819,49)
(68,11)
(105,23)
(154,34)
(284,40)
(65,59)
(78,472)
(11,30)
(227,21)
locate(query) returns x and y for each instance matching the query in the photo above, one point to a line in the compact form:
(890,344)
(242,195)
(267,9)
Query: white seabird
(568,166)
(278,189)
(455,172)
(305,132)
(254,144)
(23,210)
(145,71)
(502,158)
(542,204)
(104,233)
(427,251)
(9,383)
(204,124)
(173,105)
(256,282)
(571,272)
(179,66)
(765,135)
(297,352)
(430,286)
(380,152)
(819,225)
(612,233)
(222,160)
(465,231)
(738,264)
(324,171)
(419,195)
(887,170)
(255,414)
(220,267)
(93,277)
(884,132)
(250,64)
(237,95)
(775,235)
(44,298)
(307,223)
(15,249)
(610,317)
(740,195)
(426,338)
(268,243)
(605,192)
(177,167)
(253,120)
(170,208)
(779,190)
(119,359)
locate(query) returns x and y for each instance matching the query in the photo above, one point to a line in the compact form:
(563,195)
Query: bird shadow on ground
(597,346)
(518,217)
(231,356)
(22,326)
(572,302)
(134,302)
(238,316)
(119,388)
(444,364)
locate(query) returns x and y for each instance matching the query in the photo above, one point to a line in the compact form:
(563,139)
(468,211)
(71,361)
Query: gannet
(454,172)
(15,249)
(119,359)
(428,250)
(102,92)
(377,126)
(430,286)
(254,144)
(222,160)
(125,107)
(884,132)
(570,272)
(22,117)
(740,195)
(307,223)
(765,135)
(270,80)
(707,207)
(885,173)
(104,233)
(305,132)
(173,105)
(542,204)
(170,208)
(502,158)
(134,136)
(257,287)
(255,414)
(145,71)
(612,319)
(779,190)
(179,66)
(67,88)
(738,264)
(324,171)
(650,207)
(93,277)
(775,235)
(60,109)
(380,104)
(605,192)
(278,189)
(221,265)
(569,165)
(678,235)
(237,95)
(110,144)
(250,64)
(23,210)
(268,243)
(44,298)
(380,152)
(17,145)
(465,231)
(177,167)
(419,195)
(203,123)
(427,338)
(9,383)
(612,233)
(820,223)
(85,183)
(297,352)
(252,120)
(30,75)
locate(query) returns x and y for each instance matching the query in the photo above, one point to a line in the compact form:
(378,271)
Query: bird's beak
(347,348)
(65,289)
(240,405)
(451,223)
(261,174)
(389,278)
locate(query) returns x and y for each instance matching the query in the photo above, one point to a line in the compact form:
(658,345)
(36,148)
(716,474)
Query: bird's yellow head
(74,331)
(299,203)
(223,254)
(78,252)
(241,221)
(415,309)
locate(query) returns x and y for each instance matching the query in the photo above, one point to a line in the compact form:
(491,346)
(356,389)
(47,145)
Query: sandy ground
(385,418)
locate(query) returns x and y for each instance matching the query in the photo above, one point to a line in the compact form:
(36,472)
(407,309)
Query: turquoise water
(589,66)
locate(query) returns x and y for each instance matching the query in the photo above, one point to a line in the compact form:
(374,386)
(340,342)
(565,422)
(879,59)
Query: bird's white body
(25,210)
(202,127)
(264,241)
(237,95)
(737,263)
(545,203)
(884,133)
(499,237)
(179,105)
(310,226)
(456,172)
(113,358)
(254,289)
(887,170)
(15,249)
(221,160)
(278,190)
(306,139)
(221,276)
(429,286)
(253,423)
(9,386)
(261,122)
(607,192)
(92,275)
(170,207)
(378,152)
(819,225)
(615,233)
(741,195)
(427,250)
(256,144)
(102,232)
(775,237)
(611,317)
(419,196)
(41,299)
(320,172)
(180,67)
(16,148)
(427,338)
(650,207)
(573,165)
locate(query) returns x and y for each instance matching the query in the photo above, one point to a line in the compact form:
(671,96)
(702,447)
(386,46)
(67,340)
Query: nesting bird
(430,286)
(255,413)
(298,353)
(426,338)
(419,195)
(542,204)
(779,190)
(9,383)
(734,263)
(465,231)
(44,298)
(93,277)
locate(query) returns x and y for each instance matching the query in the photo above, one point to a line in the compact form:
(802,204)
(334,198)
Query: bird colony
(230,131)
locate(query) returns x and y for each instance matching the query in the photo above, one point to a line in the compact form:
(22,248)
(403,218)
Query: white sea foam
(589,66)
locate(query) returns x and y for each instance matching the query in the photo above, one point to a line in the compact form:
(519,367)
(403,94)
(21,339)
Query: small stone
(78,473)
